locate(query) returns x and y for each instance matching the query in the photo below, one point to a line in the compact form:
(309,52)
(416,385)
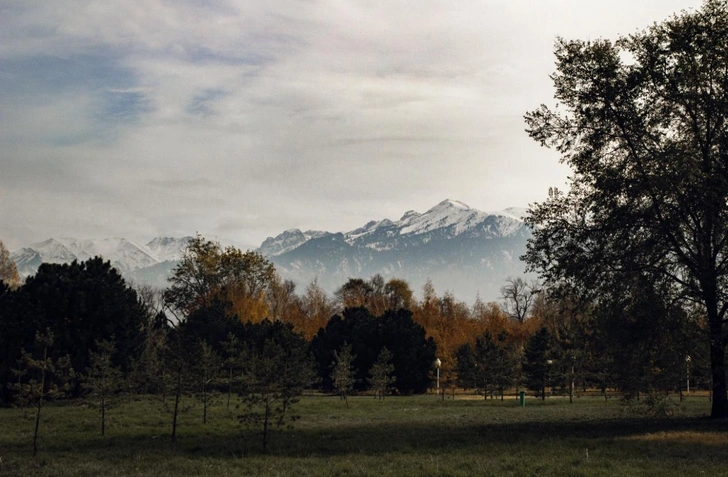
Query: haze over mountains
(461,249)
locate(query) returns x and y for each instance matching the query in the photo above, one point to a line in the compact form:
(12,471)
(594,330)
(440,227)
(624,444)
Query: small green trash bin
(522,398)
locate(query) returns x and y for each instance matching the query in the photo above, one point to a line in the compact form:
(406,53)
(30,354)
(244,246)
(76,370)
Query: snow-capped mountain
(287,241)
(126,256)
(461,249)
(167,249)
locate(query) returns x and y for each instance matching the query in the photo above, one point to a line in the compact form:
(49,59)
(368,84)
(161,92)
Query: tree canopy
(208,271)
(642,124)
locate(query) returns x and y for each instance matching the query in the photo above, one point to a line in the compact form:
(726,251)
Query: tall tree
(207,369)
(381,374)
(102,381)
(343,372)
(642,124)
(317,308)
(208,272)
(8,269)
(537,361)
(277,368)
(83,302)
(495,358)
(39,378)
(518,297)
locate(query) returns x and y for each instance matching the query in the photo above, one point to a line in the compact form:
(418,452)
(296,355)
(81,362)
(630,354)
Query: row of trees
(85,302)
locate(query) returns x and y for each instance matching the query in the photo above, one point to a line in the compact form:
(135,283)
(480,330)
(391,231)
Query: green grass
(400,436)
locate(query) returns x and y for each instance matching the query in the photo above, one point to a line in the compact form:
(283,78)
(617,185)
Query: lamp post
(438,363)
(687,371)
(545,374)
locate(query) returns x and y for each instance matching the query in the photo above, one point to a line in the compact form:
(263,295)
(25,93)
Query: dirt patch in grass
(687,437)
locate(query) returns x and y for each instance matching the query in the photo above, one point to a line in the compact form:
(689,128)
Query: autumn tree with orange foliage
(8,270)
(375,294)
(316,308)
(209,272)
(448,322)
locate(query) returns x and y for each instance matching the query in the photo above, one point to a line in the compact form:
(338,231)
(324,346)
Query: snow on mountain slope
(446,214)
(460,248)
(287,241)
(124,255)
(447,219)
(463,249)
(167,249)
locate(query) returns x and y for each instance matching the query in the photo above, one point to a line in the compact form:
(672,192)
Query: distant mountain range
(148,263)
(461,249)
(466,251)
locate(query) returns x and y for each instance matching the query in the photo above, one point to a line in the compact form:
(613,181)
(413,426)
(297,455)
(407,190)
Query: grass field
(419,435)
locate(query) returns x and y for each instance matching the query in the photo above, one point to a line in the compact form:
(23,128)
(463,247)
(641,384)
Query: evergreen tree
(466,367)
(39,379)
(207,370)
(537,362)
(232,349)
(381,376)
(343,372)
(277,368)
(102,381)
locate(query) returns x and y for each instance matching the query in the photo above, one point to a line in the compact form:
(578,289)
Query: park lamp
(687,372)
(438,363)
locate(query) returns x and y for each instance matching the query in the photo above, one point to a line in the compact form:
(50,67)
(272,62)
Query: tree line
(226,304)
(228,327)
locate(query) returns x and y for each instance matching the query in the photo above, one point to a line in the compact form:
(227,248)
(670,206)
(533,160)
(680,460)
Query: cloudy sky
(240,119)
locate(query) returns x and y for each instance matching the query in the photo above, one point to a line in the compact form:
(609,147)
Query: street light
(543,384)
(438,363)
(687,370)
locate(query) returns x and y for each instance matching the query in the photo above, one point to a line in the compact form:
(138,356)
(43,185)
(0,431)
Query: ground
(420,435)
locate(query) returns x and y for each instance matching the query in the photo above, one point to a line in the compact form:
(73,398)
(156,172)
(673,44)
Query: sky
(241,119)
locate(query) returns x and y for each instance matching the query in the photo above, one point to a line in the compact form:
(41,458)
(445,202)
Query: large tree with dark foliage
(537,361)
(642,124)
(84,302)
(80,303)
(412,353)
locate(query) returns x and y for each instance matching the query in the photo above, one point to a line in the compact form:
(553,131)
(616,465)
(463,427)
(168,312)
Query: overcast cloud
(240,119)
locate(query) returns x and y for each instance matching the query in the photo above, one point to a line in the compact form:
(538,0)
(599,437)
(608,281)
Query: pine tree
(207,370)
(381,374)
(342,375)
(537,362)
(102,380)
(232,348)
(40,379)
(275,375)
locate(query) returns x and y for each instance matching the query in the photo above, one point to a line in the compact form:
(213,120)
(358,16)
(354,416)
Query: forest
(229,326)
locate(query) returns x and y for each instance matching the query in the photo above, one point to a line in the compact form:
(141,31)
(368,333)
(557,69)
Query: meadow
(419,435)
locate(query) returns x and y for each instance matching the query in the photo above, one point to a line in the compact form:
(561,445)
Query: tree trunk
(40,400)
(230,388)
(177,396)
(204,403)
(103,413)
(265,426)
(719,406)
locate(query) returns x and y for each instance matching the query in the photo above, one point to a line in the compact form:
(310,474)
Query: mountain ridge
(468,251)
(461,249)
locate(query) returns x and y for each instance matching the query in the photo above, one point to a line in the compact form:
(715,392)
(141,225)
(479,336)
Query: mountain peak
(410,214)
(449,204)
